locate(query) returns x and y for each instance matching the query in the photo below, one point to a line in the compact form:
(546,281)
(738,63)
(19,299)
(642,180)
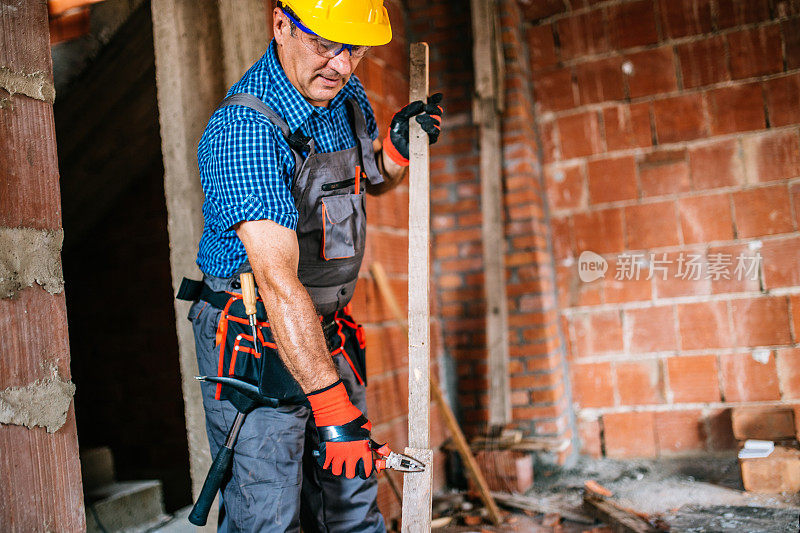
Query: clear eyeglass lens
(330,49)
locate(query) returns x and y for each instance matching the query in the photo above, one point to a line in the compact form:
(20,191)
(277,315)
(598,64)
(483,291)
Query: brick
(651,226)
(771,156)
(763,211)
(639,383)
(795,302)
(534,11)
(598,231)
(541,46)
(706,218)
(553,90)
(582,35)
(788,360)
(579,135)
(566,186)
(732,13)
(780,260)
(651,329)
(562,237)
(746,380)
(612,180)
(653,72)
(792,43)
(627,126)
(745,272)
(589,435)
(679,431)
(632,24)
(600,80)
(763,423)
(738,108)
(783,100)
(618,289)
(680,273)
(630,434)
(664,172)
(778,473)
(681,18)
(693,379)
(703,62)
(761,321)
(597,333)
(679,118)
(716,165)
(592,385)
(755,52)
(505,470)
(719,435)
(704,325)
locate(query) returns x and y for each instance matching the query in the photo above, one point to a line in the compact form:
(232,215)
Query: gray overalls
(276,484)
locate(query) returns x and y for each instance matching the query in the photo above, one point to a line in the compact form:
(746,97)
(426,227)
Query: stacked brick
(669,133)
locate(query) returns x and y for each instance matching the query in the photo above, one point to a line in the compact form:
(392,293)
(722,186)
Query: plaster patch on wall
(36,84)
(29,256)
(44,403)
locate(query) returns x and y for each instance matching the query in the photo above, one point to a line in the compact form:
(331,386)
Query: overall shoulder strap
(364,142)
(295,140)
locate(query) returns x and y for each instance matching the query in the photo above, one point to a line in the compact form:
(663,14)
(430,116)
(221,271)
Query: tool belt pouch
(239,359)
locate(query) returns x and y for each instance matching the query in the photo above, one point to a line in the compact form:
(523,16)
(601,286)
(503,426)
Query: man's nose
(341,63)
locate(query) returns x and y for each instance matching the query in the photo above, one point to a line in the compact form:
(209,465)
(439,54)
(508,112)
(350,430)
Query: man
(284,191)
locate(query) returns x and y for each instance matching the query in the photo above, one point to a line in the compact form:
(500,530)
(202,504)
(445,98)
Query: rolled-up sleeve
(248,177)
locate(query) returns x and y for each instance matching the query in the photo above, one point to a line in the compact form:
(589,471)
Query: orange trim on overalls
(222,332)
(344,353)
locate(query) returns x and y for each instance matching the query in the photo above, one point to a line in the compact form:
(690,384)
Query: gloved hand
(344,433)
(428,115)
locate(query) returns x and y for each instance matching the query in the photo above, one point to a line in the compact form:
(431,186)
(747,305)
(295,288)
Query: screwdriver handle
(248,292)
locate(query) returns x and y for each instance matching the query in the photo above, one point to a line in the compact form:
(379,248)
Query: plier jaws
(393,460)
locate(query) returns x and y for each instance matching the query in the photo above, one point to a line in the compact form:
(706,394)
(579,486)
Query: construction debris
(779,472)
(620,519)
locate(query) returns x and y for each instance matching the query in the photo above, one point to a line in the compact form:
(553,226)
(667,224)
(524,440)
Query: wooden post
(486,111)
(417,487)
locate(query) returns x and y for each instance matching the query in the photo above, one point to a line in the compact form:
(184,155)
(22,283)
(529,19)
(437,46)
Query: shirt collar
(285,99)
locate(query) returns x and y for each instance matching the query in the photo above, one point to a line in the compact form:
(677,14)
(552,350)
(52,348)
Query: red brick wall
(671,127)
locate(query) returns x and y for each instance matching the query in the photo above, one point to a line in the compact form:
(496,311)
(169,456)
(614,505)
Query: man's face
(317,78)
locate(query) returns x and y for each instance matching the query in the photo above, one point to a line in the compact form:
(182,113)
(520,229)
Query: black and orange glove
(344,433)
(428,115)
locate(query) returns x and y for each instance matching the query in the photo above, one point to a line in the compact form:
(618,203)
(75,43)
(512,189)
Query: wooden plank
(417,487)
(40,472)
(486,109)
(462,447)
(618,519)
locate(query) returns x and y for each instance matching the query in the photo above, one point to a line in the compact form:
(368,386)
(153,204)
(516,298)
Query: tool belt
(238,357)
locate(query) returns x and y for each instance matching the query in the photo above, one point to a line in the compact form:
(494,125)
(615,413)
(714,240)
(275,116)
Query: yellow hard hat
(359,22)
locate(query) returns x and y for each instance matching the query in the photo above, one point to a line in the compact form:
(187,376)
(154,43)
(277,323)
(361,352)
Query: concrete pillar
(193,70)
(39,466)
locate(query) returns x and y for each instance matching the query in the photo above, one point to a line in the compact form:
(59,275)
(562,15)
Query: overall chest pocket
(342,218)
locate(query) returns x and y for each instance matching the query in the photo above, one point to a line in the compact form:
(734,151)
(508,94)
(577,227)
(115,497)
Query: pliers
(393,460)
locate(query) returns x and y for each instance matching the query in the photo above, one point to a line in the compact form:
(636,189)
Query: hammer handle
(216,474)
(248,292)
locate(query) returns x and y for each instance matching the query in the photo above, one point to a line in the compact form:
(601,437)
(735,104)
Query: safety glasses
(324,47)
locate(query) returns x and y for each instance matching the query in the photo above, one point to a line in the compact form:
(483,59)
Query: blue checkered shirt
(246,166)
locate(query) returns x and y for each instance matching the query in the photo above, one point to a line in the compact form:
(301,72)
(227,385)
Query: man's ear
(279,23)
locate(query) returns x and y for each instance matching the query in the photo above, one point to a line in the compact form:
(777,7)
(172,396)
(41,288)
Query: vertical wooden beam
(39,466)
(488,102)
(417,487)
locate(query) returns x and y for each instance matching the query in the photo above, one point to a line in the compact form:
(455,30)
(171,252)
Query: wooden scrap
(595,487)
(442,521)
(619,519)
(524,503)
